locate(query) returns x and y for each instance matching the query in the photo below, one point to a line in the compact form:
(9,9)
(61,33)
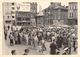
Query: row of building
(25,14)
(19,14)
(58,15)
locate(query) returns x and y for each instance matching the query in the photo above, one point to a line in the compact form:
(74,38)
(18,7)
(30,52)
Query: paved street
(20,49)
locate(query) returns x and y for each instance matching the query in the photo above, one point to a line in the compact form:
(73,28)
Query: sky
(42,4)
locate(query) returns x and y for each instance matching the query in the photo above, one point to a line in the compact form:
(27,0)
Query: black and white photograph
(33,28)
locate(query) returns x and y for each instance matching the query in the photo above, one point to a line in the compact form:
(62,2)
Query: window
(12,3)
(71,15)
(70,6)
(7,21)
(23,18)
(27,19)
(75,7)
(19,19)
(12,16)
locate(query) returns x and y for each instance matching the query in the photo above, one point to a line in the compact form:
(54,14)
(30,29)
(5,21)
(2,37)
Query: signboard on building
(24,7)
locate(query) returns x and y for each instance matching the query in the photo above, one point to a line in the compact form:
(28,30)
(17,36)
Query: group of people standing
(64,38)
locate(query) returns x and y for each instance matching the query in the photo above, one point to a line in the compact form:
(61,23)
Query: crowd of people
(36,38)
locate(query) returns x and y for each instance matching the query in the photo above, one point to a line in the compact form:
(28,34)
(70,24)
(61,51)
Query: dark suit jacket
(53,48)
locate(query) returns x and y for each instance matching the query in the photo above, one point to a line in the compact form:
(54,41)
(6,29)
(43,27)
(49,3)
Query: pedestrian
(35,41)
(26,36)
(29,41)
(16,37)
(53,37)
(19,40)
(11,39)
(48,36)
(21,35)
(8,27)
(5,33)
(39,37)
(40,48)
(74,43)
(53,48)
(23,40)
(59,41)
(43,45)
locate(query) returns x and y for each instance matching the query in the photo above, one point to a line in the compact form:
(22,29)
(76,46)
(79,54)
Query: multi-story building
(24,18)
(72,13)
(10,8)
(9,13)
(55,14)
(27,11)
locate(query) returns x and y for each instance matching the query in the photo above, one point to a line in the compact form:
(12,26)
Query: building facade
(55,14)
(40,21)
(10,8)
(72,13)
(24,18)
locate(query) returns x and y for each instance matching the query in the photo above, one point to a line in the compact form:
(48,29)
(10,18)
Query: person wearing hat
(53,47)
(53,38)
(11,39)
(74,42)
(59,41)
(48,35)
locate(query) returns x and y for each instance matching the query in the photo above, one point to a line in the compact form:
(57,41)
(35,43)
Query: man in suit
(53,47)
